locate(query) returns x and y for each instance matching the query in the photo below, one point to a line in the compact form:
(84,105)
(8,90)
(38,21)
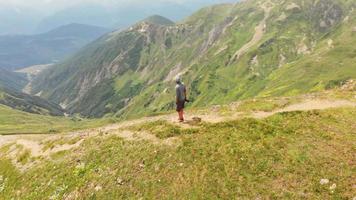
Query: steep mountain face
(225,53)
(20,51)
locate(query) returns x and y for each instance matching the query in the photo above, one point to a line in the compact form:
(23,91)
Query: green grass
(163,129)
(281,157)
(24,157)
(18,122)
(266,105)
(50,144)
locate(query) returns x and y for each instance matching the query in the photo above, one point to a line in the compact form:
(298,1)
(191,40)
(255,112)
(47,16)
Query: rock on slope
(130,72)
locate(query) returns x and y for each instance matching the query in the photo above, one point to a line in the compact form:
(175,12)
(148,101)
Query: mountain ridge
(159,20)
(128,73)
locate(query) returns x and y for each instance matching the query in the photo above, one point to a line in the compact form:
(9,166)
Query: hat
(178,79)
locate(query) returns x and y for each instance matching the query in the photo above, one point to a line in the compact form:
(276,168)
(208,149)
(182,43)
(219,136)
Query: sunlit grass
(284,157)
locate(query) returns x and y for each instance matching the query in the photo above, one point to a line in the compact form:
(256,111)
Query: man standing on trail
(181,98)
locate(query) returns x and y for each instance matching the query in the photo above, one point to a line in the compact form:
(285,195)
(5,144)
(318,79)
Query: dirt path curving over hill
(36,144)
(306,106)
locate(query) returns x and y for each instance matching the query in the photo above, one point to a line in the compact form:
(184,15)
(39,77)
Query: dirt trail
(306,106)
(259,31)
(35,143)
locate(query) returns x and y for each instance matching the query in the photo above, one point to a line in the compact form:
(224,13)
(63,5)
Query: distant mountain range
(225,53)
(19,51)
(16,19)
(117,16)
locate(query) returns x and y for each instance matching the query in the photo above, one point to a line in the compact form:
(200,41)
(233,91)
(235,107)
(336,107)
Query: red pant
(181,115)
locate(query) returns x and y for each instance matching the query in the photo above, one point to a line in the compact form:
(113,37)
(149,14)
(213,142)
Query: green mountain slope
(11,84)
(225,53)
(31,104)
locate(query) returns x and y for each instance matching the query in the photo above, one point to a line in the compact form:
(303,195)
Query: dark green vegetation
(281,157)
(305,46)
(21,51)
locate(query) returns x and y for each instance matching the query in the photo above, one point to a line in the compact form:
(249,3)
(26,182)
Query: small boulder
(197,119)
(98,188)
(324,181)
(141,165)
(332,187)
(293,7)
(119,181)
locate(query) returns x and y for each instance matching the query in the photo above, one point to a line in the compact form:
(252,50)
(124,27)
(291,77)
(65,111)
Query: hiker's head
(178,79)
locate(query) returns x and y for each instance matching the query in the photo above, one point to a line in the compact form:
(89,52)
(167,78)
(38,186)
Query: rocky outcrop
(326,14)
(215,34)
(293,7)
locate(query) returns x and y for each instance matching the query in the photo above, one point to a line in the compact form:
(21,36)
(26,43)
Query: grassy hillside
(225,52)
(31,104)
(285,156)
(11,84)
(14,121)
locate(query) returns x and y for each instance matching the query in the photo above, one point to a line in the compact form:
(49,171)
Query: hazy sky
(27,16)
(58,4)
